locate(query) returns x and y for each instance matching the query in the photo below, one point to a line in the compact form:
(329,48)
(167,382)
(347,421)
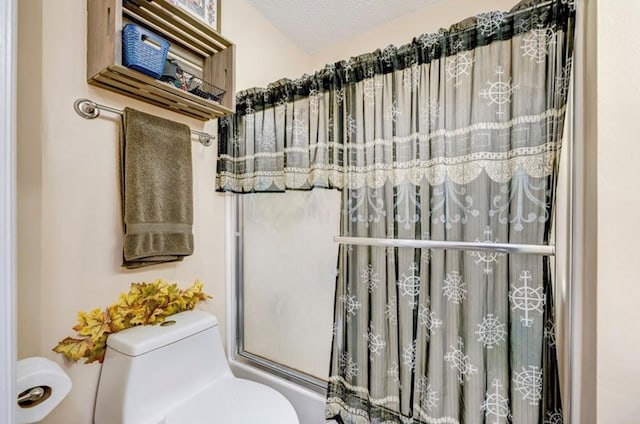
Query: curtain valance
(428,100)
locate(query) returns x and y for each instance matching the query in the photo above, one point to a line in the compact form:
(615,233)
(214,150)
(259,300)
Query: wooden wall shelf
(198,48)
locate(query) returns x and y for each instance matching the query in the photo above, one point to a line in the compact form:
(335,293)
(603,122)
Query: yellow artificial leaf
(156,315)
(151,290)
(175,307)
(73,349)
(118,318)
(125,300)
(194,290)
(118,311)
(139,316)
(194,294)
(93,324)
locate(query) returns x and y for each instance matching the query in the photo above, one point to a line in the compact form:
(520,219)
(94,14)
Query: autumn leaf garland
(145,303)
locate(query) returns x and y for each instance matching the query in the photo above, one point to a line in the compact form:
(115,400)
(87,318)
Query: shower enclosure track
(522,249)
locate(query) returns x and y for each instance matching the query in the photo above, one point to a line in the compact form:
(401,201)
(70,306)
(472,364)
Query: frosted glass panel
(290,262)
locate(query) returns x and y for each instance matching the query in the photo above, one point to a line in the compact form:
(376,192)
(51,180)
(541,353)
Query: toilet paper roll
(50,385)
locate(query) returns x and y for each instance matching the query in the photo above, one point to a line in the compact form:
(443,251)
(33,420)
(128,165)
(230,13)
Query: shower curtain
(455,136)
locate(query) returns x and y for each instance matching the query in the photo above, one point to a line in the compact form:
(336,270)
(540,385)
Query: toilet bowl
(177,373)
(235,400)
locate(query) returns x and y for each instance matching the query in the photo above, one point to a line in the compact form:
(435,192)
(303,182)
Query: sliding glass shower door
(287,279)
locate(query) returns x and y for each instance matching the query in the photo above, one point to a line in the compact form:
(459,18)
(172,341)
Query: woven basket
(143,50)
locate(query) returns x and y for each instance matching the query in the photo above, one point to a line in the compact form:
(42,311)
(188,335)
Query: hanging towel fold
(157,190)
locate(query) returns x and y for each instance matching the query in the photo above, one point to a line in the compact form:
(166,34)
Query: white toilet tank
(150,370)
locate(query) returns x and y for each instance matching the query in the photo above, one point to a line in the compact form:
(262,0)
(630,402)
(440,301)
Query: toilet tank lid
(139,340)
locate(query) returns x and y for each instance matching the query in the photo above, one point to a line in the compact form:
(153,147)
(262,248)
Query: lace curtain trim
(536,162)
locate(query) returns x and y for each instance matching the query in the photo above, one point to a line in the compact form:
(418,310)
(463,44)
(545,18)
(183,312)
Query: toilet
(177,373)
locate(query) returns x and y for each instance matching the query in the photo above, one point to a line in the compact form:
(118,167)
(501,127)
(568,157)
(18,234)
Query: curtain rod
(517,12)
(522,249)
(89,109)
(533,6)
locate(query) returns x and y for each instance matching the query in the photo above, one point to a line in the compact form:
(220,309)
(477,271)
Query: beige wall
(264,54)
(69,229)
(402,30)
(618,206)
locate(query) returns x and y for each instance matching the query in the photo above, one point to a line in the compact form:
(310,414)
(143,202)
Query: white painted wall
(618,205)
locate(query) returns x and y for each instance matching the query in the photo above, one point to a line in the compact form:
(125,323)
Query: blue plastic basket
(143,50)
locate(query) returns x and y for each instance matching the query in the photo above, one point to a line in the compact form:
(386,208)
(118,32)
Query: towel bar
(89,109)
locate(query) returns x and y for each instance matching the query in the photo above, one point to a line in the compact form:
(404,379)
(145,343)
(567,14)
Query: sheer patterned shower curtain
(455,136)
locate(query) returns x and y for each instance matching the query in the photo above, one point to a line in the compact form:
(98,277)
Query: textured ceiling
(314,24)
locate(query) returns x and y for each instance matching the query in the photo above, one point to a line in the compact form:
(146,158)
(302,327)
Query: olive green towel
(157,190)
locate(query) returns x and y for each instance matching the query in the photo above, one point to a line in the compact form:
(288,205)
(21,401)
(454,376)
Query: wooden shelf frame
(204,52)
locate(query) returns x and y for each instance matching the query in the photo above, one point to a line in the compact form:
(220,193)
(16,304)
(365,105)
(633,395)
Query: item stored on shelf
(179,78)
(143,50)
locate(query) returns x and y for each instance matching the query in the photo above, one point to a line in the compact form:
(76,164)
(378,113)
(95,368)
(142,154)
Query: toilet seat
(235,401)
